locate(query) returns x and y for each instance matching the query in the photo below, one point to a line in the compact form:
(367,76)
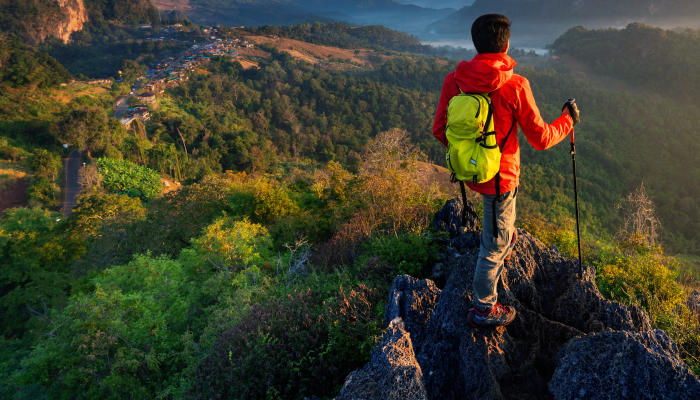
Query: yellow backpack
(473,154)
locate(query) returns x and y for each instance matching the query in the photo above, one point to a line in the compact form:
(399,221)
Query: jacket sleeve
(440,124)
(540,134)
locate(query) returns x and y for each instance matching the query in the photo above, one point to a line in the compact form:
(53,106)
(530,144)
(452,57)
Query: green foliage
(46,165)
(230,245)
(409,253)
(126,339)
(35,268)
(91,130)
(171,221)
(21,66)
(125,177)
(262,200)
(99,208)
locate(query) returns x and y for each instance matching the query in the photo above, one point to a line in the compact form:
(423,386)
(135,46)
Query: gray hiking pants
(493,251)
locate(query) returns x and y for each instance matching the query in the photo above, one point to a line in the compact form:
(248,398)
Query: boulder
(559,308)
(449,218)
(623,365)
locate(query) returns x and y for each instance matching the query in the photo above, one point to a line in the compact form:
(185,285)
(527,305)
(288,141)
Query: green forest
(242,242)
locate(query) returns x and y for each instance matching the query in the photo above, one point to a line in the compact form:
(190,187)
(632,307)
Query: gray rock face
(392,372)
(623,365)
(558,306)
(449,218)
(412,301)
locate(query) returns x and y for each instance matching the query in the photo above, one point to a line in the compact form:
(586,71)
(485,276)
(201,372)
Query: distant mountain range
(567,12)
(390,13)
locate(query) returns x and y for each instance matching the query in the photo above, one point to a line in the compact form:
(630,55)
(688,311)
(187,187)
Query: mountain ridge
(568,12)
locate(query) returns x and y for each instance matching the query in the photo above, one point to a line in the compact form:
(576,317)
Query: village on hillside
(172,71)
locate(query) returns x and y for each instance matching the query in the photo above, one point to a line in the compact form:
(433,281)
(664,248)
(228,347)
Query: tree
(35,267)
(46,165)
(90,129)
(641,224)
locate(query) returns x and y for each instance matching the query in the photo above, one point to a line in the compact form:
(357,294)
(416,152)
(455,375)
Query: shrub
(644,279)
(125,177)
(278,350)
(408,252)
(384,198)
(261,199)
(128,338)
(356,318)
(296,346)
(230,245)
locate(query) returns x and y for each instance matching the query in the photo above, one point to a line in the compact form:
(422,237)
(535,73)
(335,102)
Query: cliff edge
(567,342)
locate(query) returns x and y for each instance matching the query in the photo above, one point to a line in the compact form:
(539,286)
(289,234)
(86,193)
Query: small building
(145,26)
(142,115)
(148,97)
(249,46)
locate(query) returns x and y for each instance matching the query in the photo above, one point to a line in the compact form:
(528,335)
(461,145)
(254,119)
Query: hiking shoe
(498,315)
(512,243)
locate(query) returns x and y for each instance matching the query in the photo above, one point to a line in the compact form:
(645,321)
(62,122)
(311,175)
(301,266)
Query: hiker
(513,106)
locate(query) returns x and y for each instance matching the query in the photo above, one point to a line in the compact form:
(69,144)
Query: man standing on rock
(491,72)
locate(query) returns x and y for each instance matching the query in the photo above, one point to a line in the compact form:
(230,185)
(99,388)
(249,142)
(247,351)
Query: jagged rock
(391,374)
(623,365)
(412,300)
(449,218)
(557,303)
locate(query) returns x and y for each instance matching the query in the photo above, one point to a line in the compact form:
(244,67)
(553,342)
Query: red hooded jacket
(512,101)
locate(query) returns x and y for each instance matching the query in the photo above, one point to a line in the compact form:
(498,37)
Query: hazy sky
(438,3)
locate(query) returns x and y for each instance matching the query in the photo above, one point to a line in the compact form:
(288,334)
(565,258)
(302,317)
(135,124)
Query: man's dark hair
(490,33)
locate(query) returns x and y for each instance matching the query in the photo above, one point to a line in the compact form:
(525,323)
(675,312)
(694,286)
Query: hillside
(658,60)
(410,18)
(245,13)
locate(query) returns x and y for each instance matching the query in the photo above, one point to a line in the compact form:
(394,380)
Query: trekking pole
(570,105)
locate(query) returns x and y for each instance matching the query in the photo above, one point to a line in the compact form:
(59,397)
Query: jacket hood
(485,73)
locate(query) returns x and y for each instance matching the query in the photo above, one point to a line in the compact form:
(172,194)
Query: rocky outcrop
(392,371)
(623,365)
(561,317)
(71,17)
(76,16)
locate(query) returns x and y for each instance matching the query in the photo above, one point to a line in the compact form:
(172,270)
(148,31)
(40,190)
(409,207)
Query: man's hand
(571,110)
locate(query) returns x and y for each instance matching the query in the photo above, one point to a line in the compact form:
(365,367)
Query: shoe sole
(489,325)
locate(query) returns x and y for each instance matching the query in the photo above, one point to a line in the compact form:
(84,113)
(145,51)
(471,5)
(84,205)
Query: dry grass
(66,95)
(10,172)
(386,197)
